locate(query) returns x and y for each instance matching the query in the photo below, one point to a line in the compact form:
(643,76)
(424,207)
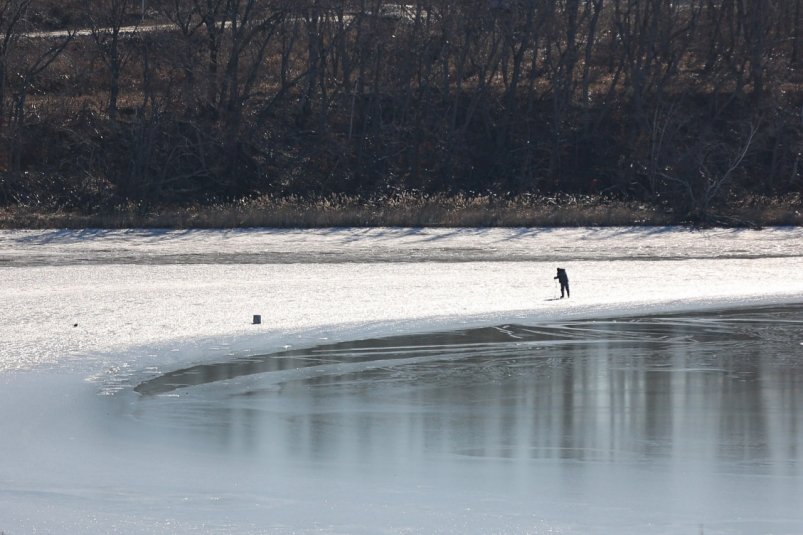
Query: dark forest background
(687,104)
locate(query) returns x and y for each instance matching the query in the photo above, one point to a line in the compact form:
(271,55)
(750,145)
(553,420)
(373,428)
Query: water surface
(670,424)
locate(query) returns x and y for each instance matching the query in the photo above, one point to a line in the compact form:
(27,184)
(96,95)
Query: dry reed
(402,210)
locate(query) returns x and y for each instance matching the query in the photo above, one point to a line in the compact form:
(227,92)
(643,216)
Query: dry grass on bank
(404,210)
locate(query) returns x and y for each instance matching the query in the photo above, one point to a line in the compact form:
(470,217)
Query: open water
(668,424)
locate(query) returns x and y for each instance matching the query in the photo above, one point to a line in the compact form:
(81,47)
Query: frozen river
(668,424)
(401,382)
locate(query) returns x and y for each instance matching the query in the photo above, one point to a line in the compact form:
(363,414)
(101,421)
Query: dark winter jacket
(562,276)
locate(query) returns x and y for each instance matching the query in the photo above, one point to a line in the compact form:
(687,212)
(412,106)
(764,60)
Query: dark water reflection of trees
(715,389)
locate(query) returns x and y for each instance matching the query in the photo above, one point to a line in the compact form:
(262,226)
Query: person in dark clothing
(564,282)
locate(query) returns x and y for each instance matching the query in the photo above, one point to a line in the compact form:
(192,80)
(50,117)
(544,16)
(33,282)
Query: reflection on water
(721,388)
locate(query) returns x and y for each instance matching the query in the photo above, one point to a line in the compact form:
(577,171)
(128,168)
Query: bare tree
(706,170)
(109,21)
(186,17)
(12,14)
(20,65)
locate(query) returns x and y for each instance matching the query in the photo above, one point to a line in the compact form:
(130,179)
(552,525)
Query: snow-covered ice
(88,314)
(190,290)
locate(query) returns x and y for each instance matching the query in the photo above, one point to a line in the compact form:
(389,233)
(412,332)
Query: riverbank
(413,210)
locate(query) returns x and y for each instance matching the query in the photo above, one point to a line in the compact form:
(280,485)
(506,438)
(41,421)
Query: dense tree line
(680,102)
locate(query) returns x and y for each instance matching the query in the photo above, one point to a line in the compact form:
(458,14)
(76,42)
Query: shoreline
(415,209)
